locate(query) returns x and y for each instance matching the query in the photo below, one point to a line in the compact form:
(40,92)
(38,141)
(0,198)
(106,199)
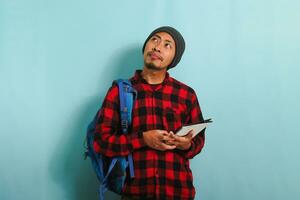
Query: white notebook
(197,128)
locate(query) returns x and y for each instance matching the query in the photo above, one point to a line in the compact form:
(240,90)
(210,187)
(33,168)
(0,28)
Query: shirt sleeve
(195,116)
(109,139)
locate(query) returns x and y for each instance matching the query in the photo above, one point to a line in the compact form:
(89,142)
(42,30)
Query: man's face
(159,51)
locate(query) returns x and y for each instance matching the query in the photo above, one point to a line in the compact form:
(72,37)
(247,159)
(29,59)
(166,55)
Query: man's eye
(168,45)
(154,39)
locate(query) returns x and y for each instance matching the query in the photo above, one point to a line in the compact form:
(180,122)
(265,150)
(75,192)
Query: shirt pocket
(171,119)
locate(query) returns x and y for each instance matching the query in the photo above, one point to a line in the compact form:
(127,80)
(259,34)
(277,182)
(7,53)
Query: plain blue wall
(59,57)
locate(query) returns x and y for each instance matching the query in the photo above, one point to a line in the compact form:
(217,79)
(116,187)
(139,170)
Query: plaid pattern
(158,174)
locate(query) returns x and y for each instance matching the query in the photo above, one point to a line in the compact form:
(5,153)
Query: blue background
(59,57)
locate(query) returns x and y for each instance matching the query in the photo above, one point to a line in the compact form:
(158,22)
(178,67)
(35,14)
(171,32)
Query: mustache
(149,53)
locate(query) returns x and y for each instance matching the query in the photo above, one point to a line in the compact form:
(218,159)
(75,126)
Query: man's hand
(159,140)
(182,142)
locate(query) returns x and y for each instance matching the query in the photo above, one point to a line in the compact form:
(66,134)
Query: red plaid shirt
(158,174)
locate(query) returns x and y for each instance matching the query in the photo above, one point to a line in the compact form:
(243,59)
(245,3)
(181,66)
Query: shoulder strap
(127,95)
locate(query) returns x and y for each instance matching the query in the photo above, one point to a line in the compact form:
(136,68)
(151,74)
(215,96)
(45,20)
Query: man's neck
(153,76)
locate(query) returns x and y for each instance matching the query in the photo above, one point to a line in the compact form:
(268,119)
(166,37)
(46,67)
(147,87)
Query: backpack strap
(104,187)
(127,95)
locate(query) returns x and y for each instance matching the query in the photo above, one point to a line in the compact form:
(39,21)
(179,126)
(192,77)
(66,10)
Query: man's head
(163,48)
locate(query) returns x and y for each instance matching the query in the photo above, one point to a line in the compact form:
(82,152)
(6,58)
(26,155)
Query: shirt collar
(138,78)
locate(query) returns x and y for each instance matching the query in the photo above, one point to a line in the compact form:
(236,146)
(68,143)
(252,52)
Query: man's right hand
(157,139)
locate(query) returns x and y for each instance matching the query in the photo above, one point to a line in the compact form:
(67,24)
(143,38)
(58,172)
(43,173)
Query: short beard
(151,66)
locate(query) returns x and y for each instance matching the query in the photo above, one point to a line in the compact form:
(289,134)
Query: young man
(163,104)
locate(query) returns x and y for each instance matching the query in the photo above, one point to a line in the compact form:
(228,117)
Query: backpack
(111,172)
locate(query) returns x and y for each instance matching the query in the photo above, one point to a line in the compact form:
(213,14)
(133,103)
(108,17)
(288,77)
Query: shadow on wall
(67,167)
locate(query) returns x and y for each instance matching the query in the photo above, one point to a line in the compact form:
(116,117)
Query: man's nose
(156,49)
(158,46)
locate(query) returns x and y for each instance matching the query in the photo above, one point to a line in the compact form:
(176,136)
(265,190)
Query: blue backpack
(111,172)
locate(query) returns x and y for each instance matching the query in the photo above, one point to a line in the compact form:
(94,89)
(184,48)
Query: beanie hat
(179,42)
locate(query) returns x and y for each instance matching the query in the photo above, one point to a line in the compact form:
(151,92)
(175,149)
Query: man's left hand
(182,142)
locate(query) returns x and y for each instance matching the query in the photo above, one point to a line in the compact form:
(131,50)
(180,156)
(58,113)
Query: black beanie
(179,42)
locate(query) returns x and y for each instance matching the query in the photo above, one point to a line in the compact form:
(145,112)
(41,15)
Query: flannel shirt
(158,174)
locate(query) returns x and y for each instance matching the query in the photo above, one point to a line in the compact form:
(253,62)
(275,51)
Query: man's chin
(152,66)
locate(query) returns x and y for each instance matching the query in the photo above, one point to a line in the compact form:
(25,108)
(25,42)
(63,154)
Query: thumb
(190,134)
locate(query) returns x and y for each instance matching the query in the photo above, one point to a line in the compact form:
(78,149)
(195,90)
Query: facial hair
(152,66)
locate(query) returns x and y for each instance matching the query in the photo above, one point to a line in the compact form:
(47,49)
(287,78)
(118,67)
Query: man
(163,104)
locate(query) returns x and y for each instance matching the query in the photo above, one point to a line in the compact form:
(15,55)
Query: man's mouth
(154,56)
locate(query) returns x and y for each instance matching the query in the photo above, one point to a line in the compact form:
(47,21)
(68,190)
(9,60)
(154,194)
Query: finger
(176,137)
(190,134)
(162,132)
(170,142)
(165,134)
(156,146)
(167,137)
(164,146)
(176,143)
(171,134)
